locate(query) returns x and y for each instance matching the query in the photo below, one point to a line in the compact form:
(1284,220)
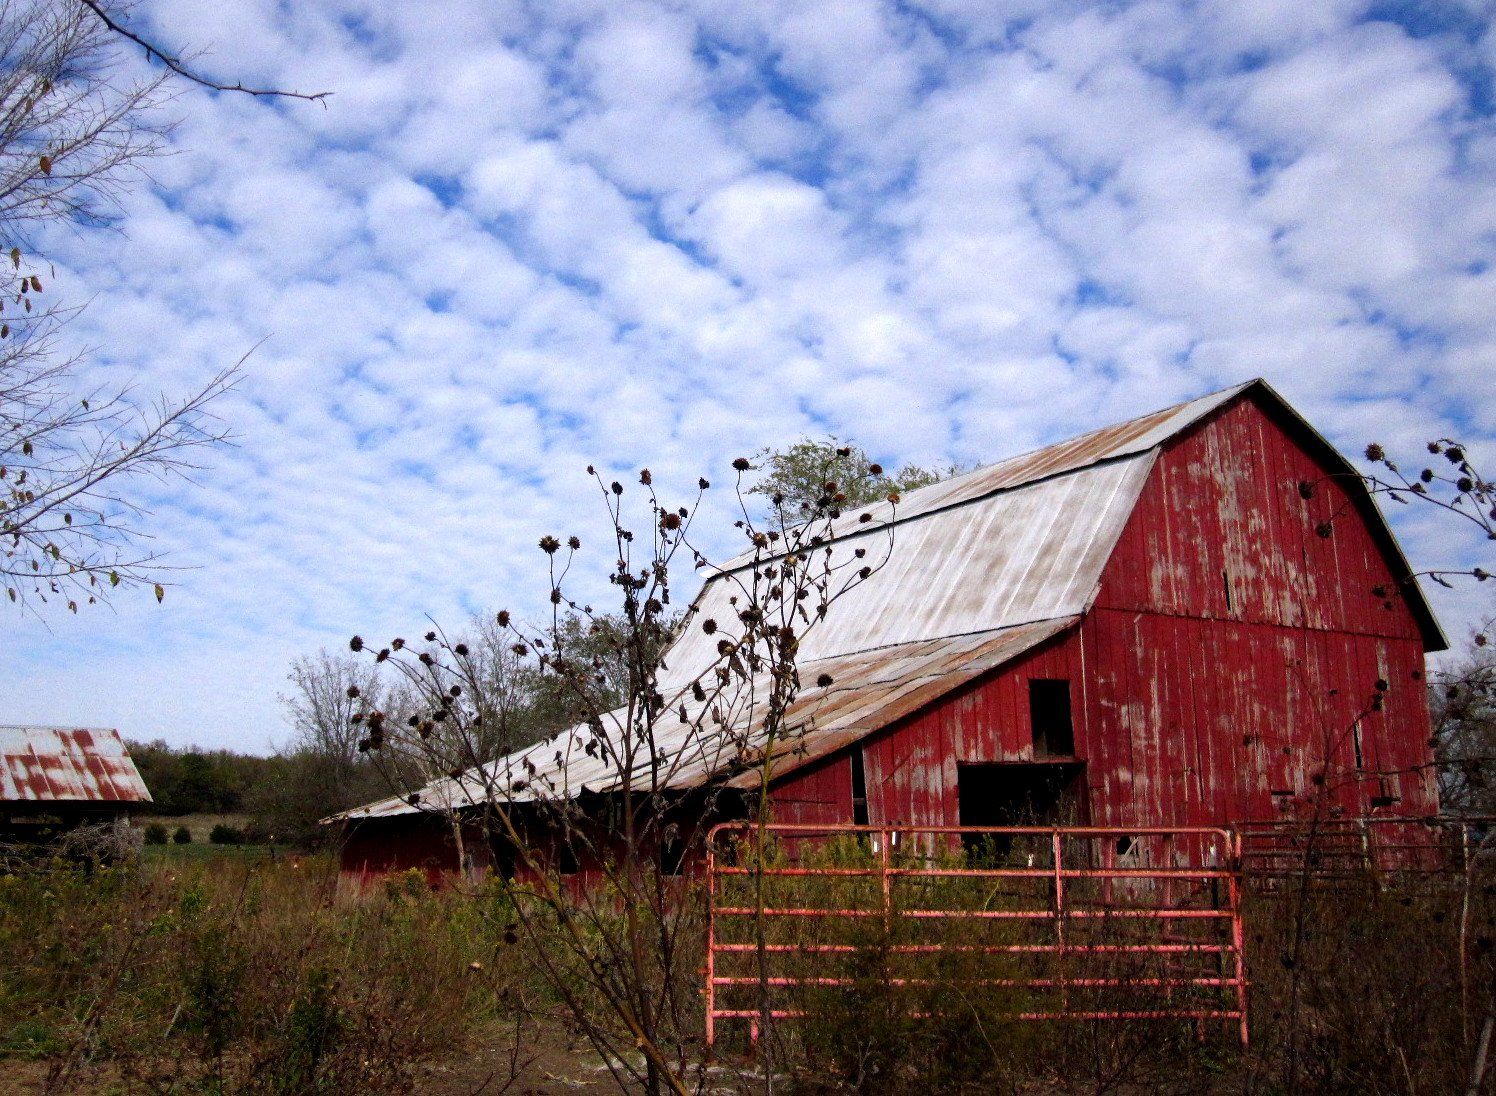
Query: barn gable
(1005,561)
(1222,530)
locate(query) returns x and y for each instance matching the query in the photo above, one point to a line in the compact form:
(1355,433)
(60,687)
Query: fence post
(1233,892)
(711,942)
(884,848)
(1059,919)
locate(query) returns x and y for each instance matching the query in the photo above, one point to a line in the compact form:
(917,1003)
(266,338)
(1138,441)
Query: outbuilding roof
(67,765)
(984,567)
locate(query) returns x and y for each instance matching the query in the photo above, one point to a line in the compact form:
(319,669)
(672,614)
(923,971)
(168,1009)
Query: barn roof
(984,567)
(67,765)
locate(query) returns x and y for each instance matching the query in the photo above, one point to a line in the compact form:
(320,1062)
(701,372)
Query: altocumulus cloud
(525,237)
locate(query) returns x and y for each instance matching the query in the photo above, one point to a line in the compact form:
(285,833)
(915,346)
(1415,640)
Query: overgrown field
(233,975)
(226,975)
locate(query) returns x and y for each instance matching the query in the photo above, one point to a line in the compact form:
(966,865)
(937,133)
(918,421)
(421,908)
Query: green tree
(812,472)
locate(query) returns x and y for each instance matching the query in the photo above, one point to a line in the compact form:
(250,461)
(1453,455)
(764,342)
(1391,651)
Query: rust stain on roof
(61,764)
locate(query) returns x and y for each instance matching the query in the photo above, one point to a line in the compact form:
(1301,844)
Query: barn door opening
(1019,794)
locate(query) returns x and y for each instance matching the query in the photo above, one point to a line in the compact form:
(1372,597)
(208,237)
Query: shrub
(183,836)
(226,835)
(155,834)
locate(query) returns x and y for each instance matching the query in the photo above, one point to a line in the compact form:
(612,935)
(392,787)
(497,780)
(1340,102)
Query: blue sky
(523,238)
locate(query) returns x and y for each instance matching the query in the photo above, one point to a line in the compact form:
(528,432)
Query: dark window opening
(566,857)
(859,790)
(1356,745)
(1049,717)
(1017,795)
(1226,586)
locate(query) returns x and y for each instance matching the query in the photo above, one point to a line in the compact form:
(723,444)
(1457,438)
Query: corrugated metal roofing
(1013,557)
(67,764)
(984,567)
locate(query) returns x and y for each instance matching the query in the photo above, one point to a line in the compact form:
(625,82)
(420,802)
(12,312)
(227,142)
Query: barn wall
(911,768)
(1199,722)
(1262,640)
(1194,705)
(821,792)
(423,842)
(1222,511)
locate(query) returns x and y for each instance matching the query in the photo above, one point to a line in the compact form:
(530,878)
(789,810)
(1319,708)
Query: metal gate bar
(1199,886)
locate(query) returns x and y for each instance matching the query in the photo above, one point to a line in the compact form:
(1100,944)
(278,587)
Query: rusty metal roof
(67,764)
(982,568)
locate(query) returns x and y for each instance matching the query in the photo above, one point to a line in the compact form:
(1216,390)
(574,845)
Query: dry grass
(232,976)
(236,976)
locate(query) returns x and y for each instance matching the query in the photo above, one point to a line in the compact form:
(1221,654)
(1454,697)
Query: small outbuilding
(1197,617)
(56,779)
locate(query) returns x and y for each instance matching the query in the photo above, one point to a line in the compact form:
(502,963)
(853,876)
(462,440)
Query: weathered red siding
(424,843)
(1229,654)
(817,793)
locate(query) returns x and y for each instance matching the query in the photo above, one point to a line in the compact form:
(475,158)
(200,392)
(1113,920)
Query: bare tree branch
(177,65)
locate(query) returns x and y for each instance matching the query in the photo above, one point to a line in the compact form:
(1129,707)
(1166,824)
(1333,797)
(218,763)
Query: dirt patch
(546,1062)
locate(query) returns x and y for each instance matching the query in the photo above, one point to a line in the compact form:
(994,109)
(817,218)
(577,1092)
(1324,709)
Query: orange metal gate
(1070,922)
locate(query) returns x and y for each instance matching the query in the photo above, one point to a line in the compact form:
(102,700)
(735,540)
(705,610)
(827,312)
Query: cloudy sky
(525,237)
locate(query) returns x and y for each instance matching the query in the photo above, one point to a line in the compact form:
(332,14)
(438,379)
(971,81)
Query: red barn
(1198,617)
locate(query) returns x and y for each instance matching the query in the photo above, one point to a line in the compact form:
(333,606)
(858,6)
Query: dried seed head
(741,464)
(1375,452)
(356,643)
